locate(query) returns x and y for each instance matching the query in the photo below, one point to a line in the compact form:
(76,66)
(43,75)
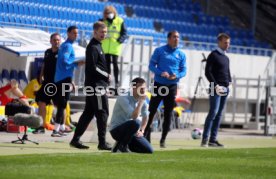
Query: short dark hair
(73,27)
(54,34)
(137,80)
(222,35)
(171,32)
(98,24)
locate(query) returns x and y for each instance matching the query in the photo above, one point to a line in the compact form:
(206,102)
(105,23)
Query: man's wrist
(141,130)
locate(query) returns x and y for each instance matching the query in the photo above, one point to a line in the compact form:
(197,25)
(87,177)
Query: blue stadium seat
(13,75)
(15,9)
(17,20)
(22,79)
(10,8)
(5,77)
(1,82)
(4,6)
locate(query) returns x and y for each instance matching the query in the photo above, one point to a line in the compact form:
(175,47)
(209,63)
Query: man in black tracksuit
(96,78)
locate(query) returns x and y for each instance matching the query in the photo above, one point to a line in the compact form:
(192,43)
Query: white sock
(57,127)
(62,127)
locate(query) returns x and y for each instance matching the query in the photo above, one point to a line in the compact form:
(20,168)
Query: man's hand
(221,90)
(172,77)
(143,98)
(140,133)
(80,63)
(165,74)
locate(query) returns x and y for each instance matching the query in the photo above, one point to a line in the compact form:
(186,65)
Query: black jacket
(50,61)
(217,69)
(95,68)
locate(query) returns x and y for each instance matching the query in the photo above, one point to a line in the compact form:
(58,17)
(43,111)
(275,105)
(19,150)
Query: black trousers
(94,106)
(61,98)
(114,59)
(169,104)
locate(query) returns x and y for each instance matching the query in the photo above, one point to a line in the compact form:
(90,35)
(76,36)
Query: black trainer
(124,149)
(78,145)
(115,147)
(204,143)
(105,146)
(39,130)
(162,144)
(215,144)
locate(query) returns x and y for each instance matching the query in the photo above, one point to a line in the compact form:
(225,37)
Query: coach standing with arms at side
(116,35)
(168,63)
(218,74)
(96,78)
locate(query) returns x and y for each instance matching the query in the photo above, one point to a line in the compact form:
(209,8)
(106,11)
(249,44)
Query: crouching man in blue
(125,127)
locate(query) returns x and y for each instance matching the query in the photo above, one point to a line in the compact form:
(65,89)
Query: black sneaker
(115,147)
(204,143)
(39,130)
(162,144)
(78,145)
(105,146)
(215,144)
(57,134)
(124,149)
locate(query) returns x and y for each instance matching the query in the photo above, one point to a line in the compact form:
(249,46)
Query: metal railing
(251,91)
(127,67)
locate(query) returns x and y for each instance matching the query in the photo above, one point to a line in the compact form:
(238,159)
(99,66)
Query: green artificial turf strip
(191,163)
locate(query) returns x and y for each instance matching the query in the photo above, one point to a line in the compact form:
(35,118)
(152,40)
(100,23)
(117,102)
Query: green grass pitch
(188,163)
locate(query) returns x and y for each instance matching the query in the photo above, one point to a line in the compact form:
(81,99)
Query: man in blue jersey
(64,72)
(168,63)
(218,74)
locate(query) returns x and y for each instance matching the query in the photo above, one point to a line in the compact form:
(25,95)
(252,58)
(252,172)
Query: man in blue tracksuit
(168,63)
(64,72)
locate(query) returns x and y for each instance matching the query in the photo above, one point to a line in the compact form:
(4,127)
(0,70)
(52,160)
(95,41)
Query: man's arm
(153,62)
(138,108)
(41,75)
(144,113)
(67,59)
(230,78)
(130,111)
(144,124)
(182,67)
(208,69)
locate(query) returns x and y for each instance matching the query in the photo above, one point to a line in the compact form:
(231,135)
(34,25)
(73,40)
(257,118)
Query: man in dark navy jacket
(218,74)
(96,81)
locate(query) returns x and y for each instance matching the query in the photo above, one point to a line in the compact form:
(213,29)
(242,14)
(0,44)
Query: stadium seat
(1,82)
(5,77)
(22,78)
(13,75)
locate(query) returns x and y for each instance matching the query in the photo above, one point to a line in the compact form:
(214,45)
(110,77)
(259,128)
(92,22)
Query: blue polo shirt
(65,61)
(123,110)
(171,60)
